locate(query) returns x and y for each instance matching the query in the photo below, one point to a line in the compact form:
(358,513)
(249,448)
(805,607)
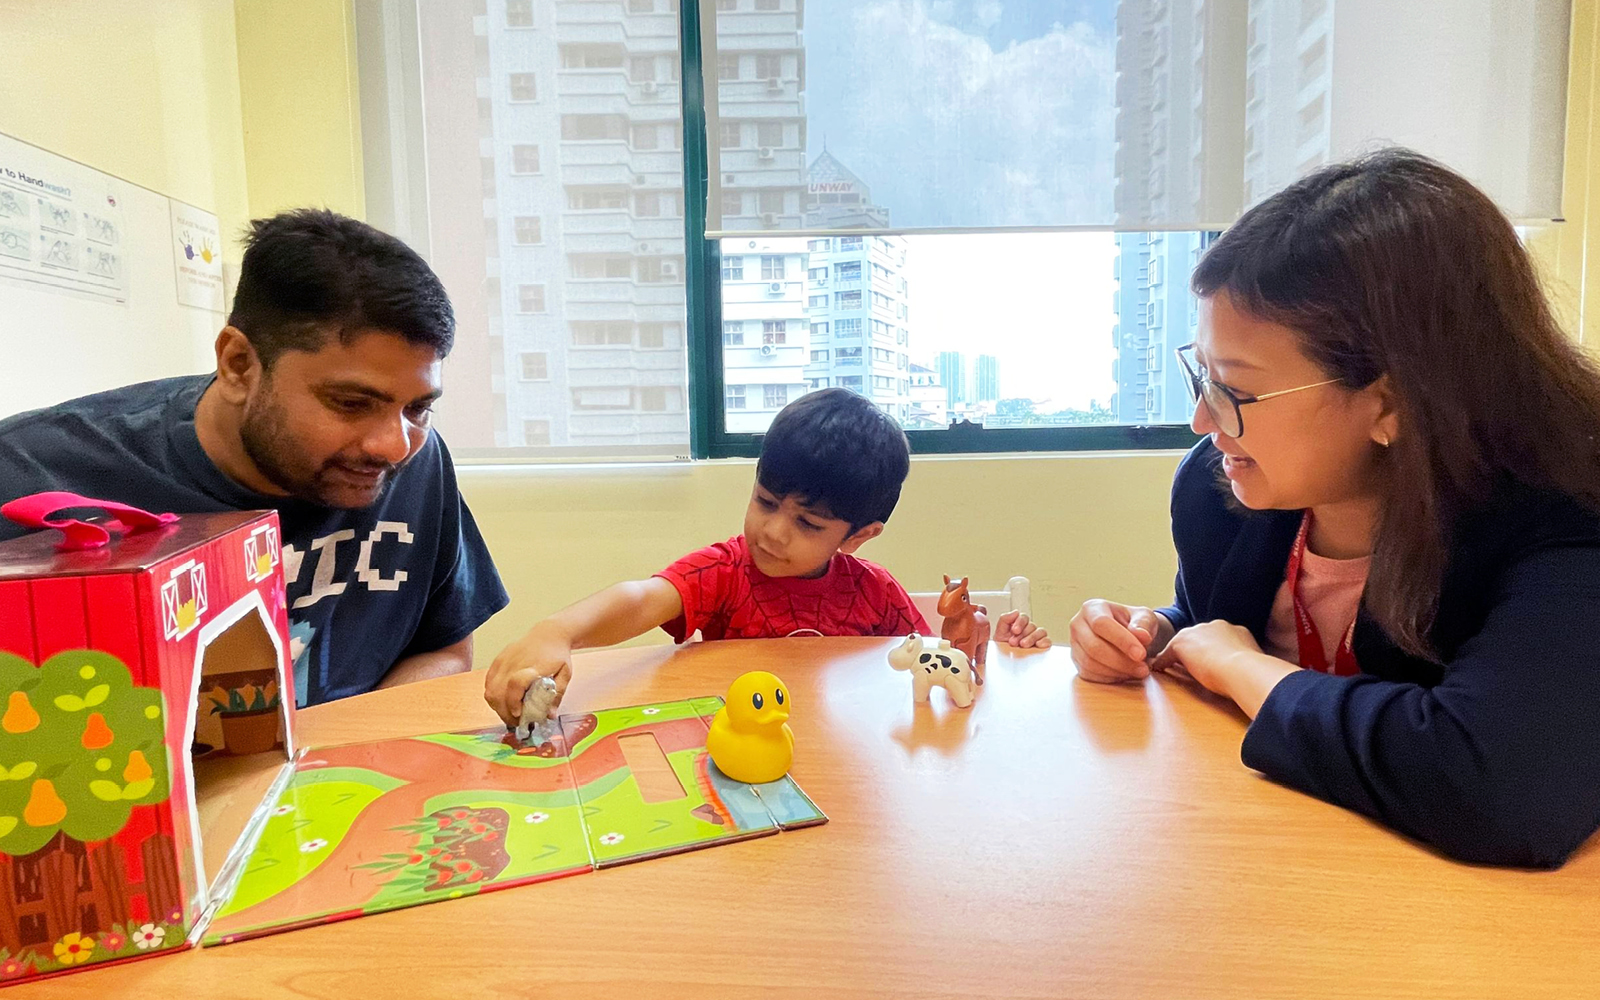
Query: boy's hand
(543,652)
(1015,629)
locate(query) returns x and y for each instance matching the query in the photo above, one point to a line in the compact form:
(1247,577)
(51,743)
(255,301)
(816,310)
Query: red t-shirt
(726,597)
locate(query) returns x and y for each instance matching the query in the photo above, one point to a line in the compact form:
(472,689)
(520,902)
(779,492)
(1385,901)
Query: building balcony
(778,167)
(619,222)
(624,365)
(601,426)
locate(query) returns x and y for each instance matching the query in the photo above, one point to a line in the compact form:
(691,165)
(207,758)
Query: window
(602,333)
(660,399)
(591,57)
(775,397)
(597,267)
(602,398)
(596,199)
(590,128)
(644,137)
(733,397)
(536,433)
(656,336)
(535,366)
(851,382)
(600,292)
(817,383)
(524,159)
(660,270)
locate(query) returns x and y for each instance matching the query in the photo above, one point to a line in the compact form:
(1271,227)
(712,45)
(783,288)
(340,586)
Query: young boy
(829,476)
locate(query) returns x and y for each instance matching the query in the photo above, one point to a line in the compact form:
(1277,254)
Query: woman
(1389,544)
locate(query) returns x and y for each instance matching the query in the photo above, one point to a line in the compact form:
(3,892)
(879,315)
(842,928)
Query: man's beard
(266,439)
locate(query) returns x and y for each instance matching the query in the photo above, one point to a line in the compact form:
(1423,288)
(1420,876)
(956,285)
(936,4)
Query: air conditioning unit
(765,152)
(768,350)
(638,179)
(775,288)
(647,87)
(773,83)
(669,269)
(769,218)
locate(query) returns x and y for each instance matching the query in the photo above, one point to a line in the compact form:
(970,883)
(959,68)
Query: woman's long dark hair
(1393,265)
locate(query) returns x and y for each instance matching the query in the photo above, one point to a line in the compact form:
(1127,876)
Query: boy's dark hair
(310,273)
(835,450)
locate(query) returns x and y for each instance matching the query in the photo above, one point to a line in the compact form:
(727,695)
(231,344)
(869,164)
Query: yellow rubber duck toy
(750,740)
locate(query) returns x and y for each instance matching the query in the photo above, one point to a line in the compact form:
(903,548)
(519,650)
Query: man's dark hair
(312,273)
(836,450)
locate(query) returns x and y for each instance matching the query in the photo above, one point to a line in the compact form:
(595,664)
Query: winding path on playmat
(428,770)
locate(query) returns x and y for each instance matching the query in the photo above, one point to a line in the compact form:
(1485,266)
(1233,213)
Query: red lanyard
(1312,656)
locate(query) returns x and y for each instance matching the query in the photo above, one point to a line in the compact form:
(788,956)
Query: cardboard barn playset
(131,651)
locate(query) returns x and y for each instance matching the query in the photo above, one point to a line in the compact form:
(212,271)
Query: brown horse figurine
(966,625)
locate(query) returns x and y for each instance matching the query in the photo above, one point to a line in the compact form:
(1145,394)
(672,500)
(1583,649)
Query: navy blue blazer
(1492,756)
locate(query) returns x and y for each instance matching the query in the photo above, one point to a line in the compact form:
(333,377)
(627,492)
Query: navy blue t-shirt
(366,588)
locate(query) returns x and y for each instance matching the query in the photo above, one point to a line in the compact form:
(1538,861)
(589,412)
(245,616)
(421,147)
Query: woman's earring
(1384,441)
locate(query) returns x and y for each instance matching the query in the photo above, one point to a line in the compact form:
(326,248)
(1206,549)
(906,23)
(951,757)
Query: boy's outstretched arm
(615,614)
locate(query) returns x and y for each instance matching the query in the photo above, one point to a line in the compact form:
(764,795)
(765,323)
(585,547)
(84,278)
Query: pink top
(1331,590)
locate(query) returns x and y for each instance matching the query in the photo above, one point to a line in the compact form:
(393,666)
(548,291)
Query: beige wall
(146,91)
(299,93)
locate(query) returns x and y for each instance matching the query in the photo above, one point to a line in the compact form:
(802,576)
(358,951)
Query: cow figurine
(966,625)
(940,664)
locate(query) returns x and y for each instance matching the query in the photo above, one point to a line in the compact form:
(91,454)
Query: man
(319,408)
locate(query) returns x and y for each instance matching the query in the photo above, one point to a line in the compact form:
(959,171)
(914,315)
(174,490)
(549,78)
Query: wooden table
(1059,839)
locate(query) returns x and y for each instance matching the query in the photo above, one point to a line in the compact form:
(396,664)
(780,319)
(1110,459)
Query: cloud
(949,132)
(988,12)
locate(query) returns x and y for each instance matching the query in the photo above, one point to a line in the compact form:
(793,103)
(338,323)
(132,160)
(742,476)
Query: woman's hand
(1224,658)
(1113,642)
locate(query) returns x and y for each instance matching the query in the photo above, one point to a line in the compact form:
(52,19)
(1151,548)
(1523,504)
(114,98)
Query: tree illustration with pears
(80,747)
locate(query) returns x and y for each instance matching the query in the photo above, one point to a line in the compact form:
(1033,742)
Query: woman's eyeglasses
(1222,402)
